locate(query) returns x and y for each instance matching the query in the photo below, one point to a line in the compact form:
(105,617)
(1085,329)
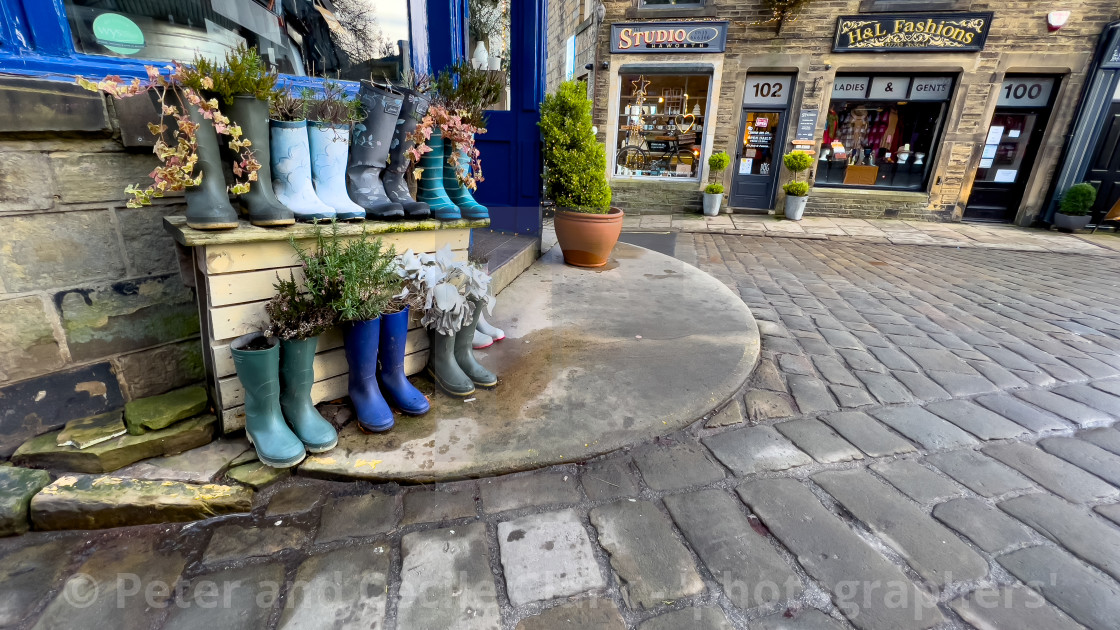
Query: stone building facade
(976,153)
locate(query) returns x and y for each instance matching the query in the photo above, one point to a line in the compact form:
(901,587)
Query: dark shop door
(1104,170)
(758,159)
(1010,148)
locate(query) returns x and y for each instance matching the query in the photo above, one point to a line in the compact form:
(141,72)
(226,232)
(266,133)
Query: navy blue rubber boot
(390,366)
(361,340)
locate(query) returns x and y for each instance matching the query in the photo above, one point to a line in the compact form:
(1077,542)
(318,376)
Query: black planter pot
(1070,223)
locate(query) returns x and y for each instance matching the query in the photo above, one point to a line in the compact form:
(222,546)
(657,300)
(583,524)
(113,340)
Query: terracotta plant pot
(588,239)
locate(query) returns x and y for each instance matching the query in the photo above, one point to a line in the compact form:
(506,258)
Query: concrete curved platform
(593,361)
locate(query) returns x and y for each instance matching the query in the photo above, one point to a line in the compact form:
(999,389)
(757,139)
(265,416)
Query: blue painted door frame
(511,148)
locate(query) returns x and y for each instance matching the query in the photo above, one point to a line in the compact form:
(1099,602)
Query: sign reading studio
(942,32)
(669,37)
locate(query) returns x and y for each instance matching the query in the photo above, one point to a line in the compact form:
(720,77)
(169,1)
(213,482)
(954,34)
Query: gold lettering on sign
(901,33)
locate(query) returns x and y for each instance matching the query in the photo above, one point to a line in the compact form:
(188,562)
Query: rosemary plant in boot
(298,317)
(257,360)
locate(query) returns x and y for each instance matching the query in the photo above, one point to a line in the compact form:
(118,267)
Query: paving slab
(1066,583)
(1077,530)
(359,516)
(1106,438)
(1015,607)
(1110,511)
(346,588)
(609,479)
(446,580)
(844,563)
(295,500)
(763,405)
(677,467)
(234,542)
(987,527)
(810,394)
(433,505)
(584,614)
(1093,397)
(651,565)
(959,384)
(546,556)
(1021,413)
(97,598)
(27,575)
(819,440)
(867,434)
(234,599)
(931,549)
(1056,475)
(742,560)
(916,481)
(513,492)
(91,431)
(159,412)
(1073,411)
(981,474)
(698,618)
(17,486)
(984,424)
(731,414)
(804,619)
(257,475)
(575,382)
(755,449)
(923,427)
(1086,456)
(198,465)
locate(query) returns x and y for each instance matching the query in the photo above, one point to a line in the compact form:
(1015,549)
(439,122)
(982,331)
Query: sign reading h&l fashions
(912,32)
(669,37)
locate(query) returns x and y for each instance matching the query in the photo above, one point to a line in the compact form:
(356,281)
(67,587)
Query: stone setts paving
(984,495)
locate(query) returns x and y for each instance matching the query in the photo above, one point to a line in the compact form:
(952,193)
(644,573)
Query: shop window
(488,41)
(669,4)
(348,39)
(883,131)
(661,125)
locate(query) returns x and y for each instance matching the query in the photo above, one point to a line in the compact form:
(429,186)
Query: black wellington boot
(208,206)
(413,110)
(264,208)
(369,152)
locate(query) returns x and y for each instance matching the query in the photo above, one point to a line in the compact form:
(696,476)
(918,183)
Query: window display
(661,125)
(348,39)
(882,131)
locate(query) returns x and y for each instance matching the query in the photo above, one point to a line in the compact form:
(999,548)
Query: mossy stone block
(91,431)
(257,475)
(44,452)
(160,412)
(17,486)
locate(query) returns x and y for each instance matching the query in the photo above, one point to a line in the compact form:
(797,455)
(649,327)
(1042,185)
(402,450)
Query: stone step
(833,554)
(1056,475)
(1086,536)
(1068,584)
(17,486)
(159,412)
(934,551)
(88,502)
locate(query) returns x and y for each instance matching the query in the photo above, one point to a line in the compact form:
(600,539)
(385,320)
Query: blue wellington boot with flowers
(361,343)
(390,366)
(459,194)
(430,188)
(291,172)
(330,149)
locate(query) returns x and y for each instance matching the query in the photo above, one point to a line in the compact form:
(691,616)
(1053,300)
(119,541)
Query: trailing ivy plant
(177,88)
(575,163)
(782,11)
(357,278)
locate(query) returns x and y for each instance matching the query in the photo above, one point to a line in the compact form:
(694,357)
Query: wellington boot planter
(588,239)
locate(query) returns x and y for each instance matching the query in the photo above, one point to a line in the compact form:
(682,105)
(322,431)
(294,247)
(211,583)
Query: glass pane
(757,155)
(488,40)
(349,39)
(1005,147)
(661,125)
(879,143)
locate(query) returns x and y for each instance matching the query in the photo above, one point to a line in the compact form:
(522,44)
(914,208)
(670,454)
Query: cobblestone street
(929,430)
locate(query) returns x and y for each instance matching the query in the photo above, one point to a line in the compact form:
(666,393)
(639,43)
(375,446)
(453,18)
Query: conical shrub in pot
(587,227)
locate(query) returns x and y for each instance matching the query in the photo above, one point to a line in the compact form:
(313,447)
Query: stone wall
(93,311)
(1019,42)
(634,197)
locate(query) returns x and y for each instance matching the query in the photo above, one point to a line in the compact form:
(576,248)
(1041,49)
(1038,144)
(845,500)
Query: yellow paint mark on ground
(372,463)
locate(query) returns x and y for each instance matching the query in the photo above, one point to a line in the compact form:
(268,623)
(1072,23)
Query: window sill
(912,196)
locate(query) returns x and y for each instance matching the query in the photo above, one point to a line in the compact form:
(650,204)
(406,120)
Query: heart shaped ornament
(680,121)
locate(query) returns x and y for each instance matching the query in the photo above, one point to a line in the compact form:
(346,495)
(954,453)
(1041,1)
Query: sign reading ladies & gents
(669,37)
(912,32)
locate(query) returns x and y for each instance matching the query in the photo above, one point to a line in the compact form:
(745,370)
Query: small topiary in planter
(797,191)
(1073,208)
(713,192)
(587,227)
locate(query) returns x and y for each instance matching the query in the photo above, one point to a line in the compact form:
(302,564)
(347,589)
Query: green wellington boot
(444,369)
(464,352)
(264,208)
(257,359)
(297,375)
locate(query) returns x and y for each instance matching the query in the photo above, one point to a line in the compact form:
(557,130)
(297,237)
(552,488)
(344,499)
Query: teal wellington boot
(464,353)
(444,369)
(257,359)
(429,189)
(297,375)
(459,194)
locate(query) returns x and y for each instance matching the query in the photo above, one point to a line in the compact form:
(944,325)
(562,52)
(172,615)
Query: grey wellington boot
(464,352)
(414,108)
(208,206)
(444,369)
(369,152)
(259,372)
(264,208)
